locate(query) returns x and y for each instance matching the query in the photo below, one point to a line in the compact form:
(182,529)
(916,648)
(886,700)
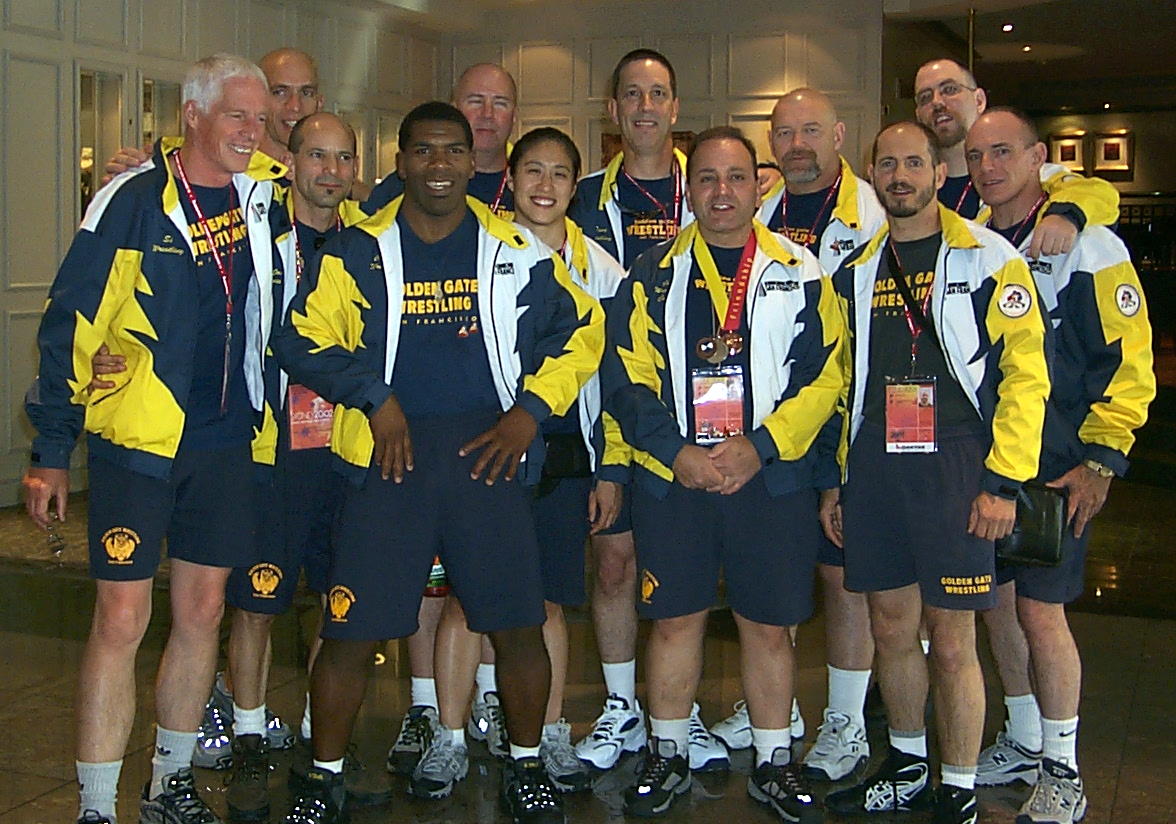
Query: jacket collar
(491,223)
(957,234)
(846,207)
(578,246)
(613,170)
(766,241)
(261,167)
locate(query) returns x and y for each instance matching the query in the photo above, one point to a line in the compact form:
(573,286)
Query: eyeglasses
(948,88)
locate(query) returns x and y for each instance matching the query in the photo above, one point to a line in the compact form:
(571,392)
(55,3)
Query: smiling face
(225,137)
(543,185)
(644,107)
(324,165)
(1003,158)
(293,91)
(905,176)
(485,94)
(946,102)
(723,191)
(436,166)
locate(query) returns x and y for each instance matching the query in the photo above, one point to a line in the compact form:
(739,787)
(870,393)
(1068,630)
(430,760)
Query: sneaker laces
(497,722)
(181,790)
(441,758)
(699,734)
(607,722)
(829,733)
(534,790)
(415,732)
(308,808)
(556,746)
(1051,794)
(655,768)
(213,726)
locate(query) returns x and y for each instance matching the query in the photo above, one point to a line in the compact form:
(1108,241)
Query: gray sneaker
(487,724)
(443,765)
(567,772)
(417,729)
(1058,797)
(1006,762)
(214,746)
(178,804)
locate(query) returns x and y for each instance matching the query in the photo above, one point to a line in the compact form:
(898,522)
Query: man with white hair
(171,269)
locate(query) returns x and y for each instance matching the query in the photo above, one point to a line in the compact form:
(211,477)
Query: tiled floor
(1125,624)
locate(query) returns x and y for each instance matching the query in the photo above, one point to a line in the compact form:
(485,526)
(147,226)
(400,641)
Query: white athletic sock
(335,767)
(424,692)
(1024,721)
(767,742)
(173,752)
(1059,740)
(248,722)
(517,752)
(306,728)
(847,693)
(485,680)
(912,743)
(621,679)
(98,787)
(964,777)
(456,735)
(672,729)
(926,644)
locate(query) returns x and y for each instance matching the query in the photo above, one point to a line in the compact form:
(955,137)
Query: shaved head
(478,74)
(287,56)
(806,139)
(292,76)
(818,103)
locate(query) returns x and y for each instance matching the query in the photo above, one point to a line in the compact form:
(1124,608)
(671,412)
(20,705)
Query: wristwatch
(1102,470)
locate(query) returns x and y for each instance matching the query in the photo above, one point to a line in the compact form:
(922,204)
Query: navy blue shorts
(828,553)
(297,506)
(387,534)
(765,546)
(905,520)
(560,509)
(205,510)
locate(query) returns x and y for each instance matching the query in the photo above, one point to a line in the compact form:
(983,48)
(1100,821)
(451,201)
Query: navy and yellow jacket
(543,334)
(1102,369)
(990,323)
(595,209)
(129,281)
(795,348)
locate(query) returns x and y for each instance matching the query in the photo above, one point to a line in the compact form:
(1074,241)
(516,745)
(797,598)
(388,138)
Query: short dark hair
(767,164)
(297,136)
(719,133)
(434,110)
(1024,119)
(614,82)
(544,134)
(932,141)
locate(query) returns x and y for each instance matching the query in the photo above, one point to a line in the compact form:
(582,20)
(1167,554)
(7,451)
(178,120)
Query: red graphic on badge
(311,418)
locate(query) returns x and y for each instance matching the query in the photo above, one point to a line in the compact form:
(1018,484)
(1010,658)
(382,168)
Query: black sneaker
(247,787)
(901,784)
(780,785)
(178,804)
(955,805)
(664,777)
(320,798)
(94,817)
(528,795)
(365,788)
(416,733)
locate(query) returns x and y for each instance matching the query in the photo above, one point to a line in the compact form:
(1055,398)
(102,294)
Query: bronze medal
(733,341)
(705,348)
(720,353)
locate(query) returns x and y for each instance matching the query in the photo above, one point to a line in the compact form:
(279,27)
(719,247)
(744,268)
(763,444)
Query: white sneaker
(619,729)
(707,753)
(840,748)
(486,724)
(1058,797)
(735,729)
(796,721)
(1005,762)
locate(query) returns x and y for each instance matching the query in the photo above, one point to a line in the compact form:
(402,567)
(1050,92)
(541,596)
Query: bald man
(293,94)
(822,205)
(486,94)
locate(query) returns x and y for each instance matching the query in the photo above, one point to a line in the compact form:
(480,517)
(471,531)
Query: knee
(1042,622)
(254,622)
(516,644)
(616,566)
(771,639)
(339,656)
(120,620)
(553,614)
(200,613)
(680,629)
(952,652)
(892,633)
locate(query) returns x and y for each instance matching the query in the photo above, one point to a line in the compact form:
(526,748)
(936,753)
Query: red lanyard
(226,272)
(915,328)
(811,237)
(498,197)
(739,287)
(675,173)
(963,195)
(298,261)
(1019,235)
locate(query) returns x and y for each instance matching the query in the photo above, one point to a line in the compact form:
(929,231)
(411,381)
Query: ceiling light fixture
(1106,105)
(1006,28)
(1026,48)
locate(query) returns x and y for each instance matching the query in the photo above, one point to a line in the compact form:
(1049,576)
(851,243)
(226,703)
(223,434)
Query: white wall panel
(220,28)
(101,22)
(20,367)
(545,74)
(267,29)
(391,63)
(756,66)
(603,54)
(834,59)
(466,55)
(163,28)
(35,16)
(315,35)
(354,49)
(422,71)
(690,55)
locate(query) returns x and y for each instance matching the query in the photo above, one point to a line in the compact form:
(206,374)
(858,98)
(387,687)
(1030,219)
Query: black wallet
(1036,539)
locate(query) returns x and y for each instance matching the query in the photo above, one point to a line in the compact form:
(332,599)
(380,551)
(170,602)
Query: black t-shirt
(485,186)
(803,218)
(441,362)
(702,321)
(206,425)
(1020,230)
(890,337)
(959,195)
(647,217)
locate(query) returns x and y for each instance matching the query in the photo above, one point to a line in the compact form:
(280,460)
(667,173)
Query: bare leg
(422,642)
(249,657)
(524,674)
(674,665)
(555,638)
(766,659)
(614,596)
(456,664)
(1007,641)
(337,685)
(958,684)
(848,642)
(902,668)
(1057,667)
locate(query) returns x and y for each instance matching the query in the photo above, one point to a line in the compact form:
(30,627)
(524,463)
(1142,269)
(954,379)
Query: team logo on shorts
(120,544)
(265,579)
(339,601)
(649,583)
(1127,299)
(1015,301)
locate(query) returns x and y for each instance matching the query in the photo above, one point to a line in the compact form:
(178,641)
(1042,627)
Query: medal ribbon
(226,272)
(811,236)
(729,309)
(675,173)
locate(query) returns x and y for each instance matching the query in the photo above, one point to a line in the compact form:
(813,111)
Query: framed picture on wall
(1066,150)
(1113,151)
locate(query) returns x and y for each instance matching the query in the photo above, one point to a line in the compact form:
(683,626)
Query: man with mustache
(947,383)
(1103,384)
(695,374)
(947,101)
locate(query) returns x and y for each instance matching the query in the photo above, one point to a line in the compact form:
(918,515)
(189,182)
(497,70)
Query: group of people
(490,363)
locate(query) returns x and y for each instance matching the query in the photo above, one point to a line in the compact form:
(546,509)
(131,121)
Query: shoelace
(252,766)
(1052,798)
(414,732)
(497,723)
(190,805)
(698,733)
(534,793)
(307,809)
(90,816)
(655,769)
(437,758)
(213,728)
(828,733)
